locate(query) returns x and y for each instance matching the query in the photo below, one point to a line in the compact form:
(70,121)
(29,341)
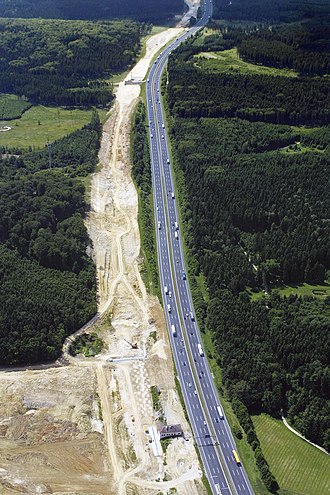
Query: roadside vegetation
(255,225)
(141,171)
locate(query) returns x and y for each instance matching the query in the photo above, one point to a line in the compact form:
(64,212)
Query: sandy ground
(81,428)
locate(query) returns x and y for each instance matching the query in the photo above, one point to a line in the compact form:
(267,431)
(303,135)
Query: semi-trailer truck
(173,330)
(200,350)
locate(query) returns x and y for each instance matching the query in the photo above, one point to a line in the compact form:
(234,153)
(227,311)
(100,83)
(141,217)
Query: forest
(270,10)
(48,281)
(57,62)
(256,97)
(254,198)
(142,10)
(303,47)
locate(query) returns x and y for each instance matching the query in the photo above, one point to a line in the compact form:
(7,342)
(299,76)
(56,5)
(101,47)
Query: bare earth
(80,429)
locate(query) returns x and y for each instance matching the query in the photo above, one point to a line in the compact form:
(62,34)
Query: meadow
(308,290)
(298,467)
(228,61)
(41,124)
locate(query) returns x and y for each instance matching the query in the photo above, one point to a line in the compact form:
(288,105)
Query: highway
(211,431)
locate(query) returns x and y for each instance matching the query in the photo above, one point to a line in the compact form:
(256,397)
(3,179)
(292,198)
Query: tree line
(141,171)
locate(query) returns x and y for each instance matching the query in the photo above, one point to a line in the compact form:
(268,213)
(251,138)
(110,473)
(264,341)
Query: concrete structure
(170,431)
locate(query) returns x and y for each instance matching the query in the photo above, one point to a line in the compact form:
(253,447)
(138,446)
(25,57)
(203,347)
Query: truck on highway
(237,459)
(220,412)
(169,308)
(173,330)
(176,225)
(165,289)
(176,235)
(200,350)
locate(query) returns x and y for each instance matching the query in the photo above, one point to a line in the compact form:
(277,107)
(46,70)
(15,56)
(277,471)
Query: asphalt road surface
(211,431)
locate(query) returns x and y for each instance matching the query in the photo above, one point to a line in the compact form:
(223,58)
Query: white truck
(176,225)
(166,289)
(169,308)
(200,350)
(220,412)
(173,330)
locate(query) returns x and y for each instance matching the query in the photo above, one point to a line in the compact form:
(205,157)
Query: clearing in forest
(228,61)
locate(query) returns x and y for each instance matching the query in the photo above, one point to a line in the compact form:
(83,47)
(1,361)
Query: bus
(237,459)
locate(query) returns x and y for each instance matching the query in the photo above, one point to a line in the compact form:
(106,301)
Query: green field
(228,61)
(11,107)
(308,290)
(299,468)
(40,124)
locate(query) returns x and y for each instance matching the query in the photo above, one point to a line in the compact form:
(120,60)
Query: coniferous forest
(252,165)
(143,10)
(68,63)
(48,284)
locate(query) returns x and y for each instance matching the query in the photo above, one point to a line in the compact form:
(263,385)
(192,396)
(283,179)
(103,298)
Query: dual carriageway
(211,431)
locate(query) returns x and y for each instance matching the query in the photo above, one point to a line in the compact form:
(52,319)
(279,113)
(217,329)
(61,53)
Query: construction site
(92,425)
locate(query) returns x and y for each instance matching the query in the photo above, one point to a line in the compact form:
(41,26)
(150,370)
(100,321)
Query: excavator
(132,344)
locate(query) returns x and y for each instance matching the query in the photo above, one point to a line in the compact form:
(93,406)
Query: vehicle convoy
(200,350)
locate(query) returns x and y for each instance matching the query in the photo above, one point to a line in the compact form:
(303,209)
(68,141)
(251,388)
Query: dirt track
(80,429)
